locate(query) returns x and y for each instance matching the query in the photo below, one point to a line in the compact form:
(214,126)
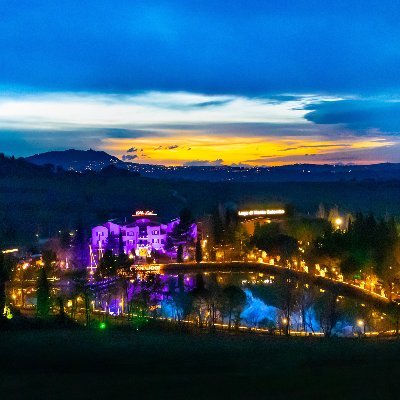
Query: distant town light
(261,212)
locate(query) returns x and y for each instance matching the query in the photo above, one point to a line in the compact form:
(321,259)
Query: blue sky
(244,80)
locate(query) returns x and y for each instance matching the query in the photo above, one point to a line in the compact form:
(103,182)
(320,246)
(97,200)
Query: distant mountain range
(92,160)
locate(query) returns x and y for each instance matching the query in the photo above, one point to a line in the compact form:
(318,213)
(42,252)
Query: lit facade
(251,218)
(140,237)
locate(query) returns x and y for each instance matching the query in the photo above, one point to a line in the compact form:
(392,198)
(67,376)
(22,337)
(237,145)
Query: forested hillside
(41,200)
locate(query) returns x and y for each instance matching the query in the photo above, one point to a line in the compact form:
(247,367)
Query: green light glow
(102,325)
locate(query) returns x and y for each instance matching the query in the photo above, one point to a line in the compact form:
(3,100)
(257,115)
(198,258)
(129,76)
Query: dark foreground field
(110,364)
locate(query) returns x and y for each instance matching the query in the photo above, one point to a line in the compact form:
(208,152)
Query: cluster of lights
(149,267)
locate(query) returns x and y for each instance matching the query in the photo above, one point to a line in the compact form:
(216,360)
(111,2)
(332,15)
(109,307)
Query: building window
(162,241)
(155,232)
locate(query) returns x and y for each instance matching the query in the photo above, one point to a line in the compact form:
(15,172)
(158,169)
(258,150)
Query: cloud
(26,142)
(381,154)
(128,157)
(171,147)
(316,146)
(151,124)
(123,133)
(360,116)
(212,103)
(241,165)
(256,47)
(204,163)
(12,143)
(137,115)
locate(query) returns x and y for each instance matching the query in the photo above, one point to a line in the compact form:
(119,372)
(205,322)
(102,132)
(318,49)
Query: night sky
(202,82)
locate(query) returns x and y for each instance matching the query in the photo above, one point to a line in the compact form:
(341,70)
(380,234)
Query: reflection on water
(271,303)
(258,314)
(275,303)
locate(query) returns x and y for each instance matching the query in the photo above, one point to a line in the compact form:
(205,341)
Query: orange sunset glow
(237,150)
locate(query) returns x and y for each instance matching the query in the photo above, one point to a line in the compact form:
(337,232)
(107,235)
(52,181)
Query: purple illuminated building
(141,236)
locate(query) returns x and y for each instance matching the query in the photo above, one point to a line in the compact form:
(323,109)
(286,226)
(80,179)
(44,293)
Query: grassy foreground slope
(109,364)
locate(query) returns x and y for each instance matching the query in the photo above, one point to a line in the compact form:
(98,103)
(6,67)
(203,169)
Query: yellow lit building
(249,218)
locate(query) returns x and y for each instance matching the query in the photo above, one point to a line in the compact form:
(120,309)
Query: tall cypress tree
(199,252)
(43,295)
(7,263)
(179,254)
(120,244)
(3,279)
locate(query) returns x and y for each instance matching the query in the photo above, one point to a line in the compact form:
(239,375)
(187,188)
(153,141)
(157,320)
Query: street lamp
(361,324)
(338,222)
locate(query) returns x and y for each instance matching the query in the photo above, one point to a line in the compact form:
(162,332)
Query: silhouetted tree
(145,295)
(49,257)
(107,266)
(200,303)
(199,251)
(120,244)
(181,299)
(268,238)
(77,288)
(80,247)
(327,311)
(43,294)
(179,254)
(234,301)
(286,290)
(5,270)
